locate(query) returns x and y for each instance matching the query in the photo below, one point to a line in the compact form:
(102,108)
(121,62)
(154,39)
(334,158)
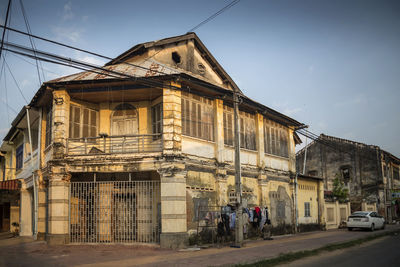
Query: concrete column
(172,121)
(26,213)
(61,102)
(219,129)
(221,179)
(42,212)
(263,191)
(58,220)
(173,205)
(260,140)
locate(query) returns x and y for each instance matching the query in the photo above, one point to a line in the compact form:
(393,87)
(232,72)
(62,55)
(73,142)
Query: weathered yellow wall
(307,192)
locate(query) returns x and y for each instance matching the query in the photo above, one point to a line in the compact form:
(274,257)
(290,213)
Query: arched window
(124,120)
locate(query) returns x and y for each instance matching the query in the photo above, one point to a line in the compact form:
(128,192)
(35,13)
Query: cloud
(68,33)
(360,99)
(284,108)
(92,60)
(67,12)
(311,69)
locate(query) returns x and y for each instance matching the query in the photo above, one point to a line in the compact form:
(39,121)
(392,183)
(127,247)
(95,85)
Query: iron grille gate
(115,212)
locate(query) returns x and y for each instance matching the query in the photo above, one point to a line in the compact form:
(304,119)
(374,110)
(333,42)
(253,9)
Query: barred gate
(115,212)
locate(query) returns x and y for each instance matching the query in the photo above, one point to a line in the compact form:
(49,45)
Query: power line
(12,75)
(33,64)
(28,28)
(222,10)
(4,31)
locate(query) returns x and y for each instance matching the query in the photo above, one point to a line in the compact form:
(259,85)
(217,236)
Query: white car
(365,219)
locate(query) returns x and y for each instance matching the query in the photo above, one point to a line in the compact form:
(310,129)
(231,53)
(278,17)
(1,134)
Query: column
(292,152)
(25,225)
(42,212)
(260,140)
(221,178)
(173,205)
(60,125)
(172,122)
(219,129)
(58,203)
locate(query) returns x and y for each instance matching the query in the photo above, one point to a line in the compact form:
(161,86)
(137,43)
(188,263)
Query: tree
(339,190)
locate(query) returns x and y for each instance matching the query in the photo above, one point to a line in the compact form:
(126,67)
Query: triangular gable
(191,55)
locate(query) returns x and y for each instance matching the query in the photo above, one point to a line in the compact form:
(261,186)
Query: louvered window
(82,122)
(247,129)
(197,116)
(156,119)
(276,139)
(49,126)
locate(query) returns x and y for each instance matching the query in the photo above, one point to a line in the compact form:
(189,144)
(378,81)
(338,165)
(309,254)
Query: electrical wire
(4,31)
(15,81)
(222,10)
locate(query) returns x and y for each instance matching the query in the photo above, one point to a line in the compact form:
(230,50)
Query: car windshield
(360,213)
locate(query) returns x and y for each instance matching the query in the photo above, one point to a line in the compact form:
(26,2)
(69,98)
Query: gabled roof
(141,48)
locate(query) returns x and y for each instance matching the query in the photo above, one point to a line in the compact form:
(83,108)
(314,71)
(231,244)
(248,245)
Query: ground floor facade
(158,200)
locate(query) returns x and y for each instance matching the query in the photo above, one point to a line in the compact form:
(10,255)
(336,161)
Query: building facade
(369,173)
(134,151)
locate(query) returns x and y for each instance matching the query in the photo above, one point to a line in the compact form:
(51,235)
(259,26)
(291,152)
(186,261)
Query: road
(380,252)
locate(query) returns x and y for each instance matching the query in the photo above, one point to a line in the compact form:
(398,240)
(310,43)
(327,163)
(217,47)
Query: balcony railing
(144,143)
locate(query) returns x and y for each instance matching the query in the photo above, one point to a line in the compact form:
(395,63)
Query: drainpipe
(296,204)
(35,200)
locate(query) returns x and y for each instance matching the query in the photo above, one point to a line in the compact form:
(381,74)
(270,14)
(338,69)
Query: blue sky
(333,65)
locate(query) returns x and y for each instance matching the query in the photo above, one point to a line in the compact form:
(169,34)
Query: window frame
(19,157)
(247,129)
(49,127)
(157,123)
(82,122)
(307,209)
(198,118)
(276,139)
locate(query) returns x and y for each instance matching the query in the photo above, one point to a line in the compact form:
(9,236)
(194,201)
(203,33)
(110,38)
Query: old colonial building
(130,153)
(370,173)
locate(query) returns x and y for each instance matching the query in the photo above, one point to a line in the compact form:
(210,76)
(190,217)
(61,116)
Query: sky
(333,65)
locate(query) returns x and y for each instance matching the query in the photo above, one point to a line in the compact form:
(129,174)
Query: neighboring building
(310,203)
(132,160)
(370,173)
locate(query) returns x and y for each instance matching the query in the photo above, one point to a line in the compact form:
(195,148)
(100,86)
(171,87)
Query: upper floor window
(49,124)
(247,129)
(19,157)
(156,118)
(276,139)
(197,116)
(82,122)
(396,174)
(124,120)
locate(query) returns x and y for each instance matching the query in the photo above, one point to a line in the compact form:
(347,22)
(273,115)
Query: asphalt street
(381,252)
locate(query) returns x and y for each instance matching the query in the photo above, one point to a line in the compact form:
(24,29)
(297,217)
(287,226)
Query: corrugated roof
(147,68)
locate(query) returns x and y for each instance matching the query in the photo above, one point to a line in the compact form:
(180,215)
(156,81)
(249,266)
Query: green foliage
(339,191)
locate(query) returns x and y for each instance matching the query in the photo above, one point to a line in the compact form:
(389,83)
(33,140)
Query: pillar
(172,121)
(58,210)
(61,102)
(292,152)
(173,205)
(42,212)
(26,213)
(219,130)
(260,140)
(221,178)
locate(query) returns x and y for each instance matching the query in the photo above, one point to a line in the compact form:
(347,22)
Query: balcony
(87,146)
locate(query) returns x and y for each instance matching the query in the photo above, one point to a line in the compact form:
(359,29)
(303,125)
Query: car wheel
(349,228)
(372,227)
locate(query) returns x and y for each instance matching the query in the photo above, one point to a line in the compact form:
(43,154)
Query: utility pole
(238,182)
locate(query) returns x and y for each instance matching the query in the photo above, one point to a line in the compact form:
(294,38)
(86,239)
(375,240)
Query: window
(247,129)
(49,123)
(276,139)
(197,116)
(396,173)
(307,212)
(345,174)
(19,157)
(82,122)
(156,119)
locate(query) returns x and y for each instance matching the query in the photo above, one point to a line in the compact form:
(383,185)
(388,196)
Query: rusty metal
(115,212)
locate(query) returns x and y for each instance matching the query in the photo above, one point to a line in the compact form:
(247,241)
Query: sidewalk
(38,253)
